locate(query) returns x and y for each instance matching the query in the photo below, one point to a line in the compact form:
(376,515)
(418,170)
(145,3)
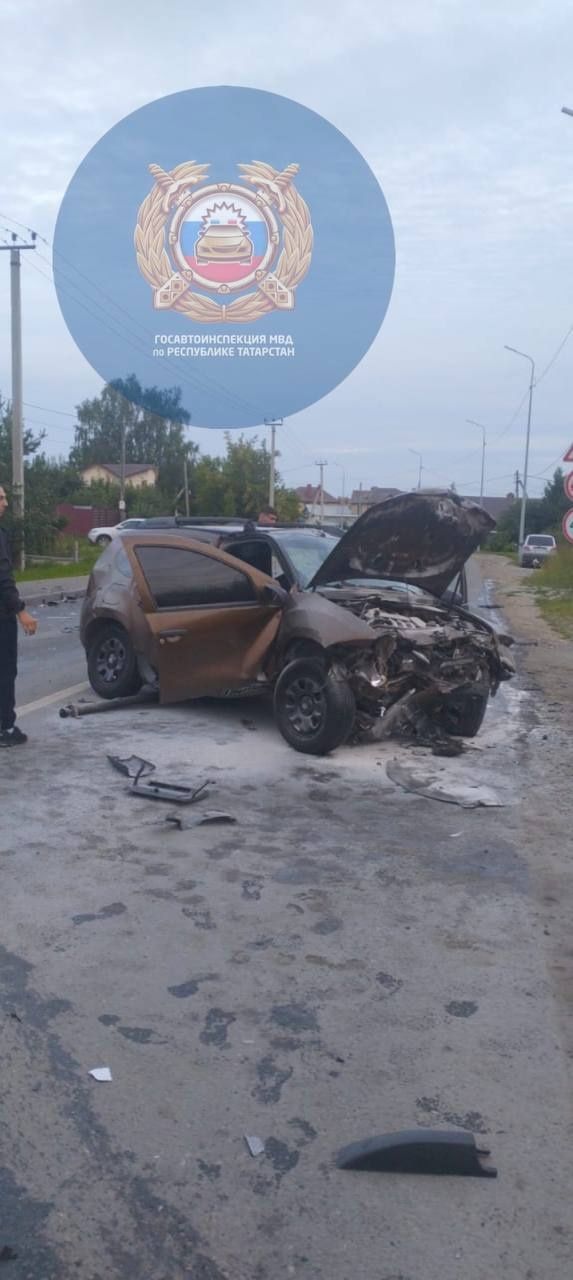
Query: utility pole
(17,392)
(273,423)
(524,355)
(473,423)
(322,465)
(186,486)
(122,507)
(517,483)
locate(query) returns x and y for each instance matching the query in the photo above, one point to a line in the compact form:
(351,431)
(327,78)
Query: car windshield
(306,550)
(539,540)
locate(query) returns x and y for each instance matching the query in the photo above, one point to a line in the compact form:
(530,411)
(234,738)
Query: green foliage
(154,425)
(235,484)
(543,515)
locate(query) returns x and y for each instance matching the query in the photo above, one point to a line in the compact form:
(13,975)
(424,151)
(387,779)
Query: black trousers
(8,671)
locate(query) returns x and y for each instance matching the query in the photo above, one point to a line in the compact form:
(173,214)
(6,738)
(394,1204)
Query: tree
(238,483)
(31,442)
(154,424)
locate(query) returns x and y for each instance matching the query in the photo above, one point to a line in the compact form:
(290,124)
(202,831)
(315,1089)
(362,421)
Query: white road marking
(61,695)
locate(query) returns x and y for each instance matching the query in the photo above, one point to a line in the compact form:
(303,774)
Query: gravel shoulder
(541,652)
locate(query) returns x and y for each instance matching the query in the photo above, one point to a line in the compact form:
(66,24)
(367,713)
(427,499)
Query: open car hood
(423,539)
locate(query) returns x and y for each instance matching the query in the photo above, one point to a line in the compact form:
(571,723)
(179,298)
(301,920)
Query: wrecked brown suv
(343,630)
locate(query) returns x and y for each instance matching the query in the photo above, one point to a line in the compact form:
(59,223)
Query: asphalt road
(349,958)
(53,659)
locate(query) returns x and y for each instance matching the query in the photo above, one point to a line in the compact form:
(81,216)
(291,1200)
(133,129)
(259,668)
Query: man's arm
(9,594)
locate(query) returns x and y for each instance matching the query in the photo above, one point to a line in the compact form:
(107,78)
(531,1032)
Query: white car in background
(103,535)
(536,549)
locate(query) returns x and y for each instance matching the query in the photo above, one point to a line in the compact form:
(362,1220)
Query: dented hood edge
(422,539)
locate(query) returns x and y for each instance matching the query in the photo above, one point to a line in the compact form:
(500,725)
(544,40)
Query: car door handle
(175,634)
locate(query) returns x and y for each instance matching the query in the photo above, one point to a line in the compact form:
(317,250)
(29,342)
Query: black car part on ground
(435,1151)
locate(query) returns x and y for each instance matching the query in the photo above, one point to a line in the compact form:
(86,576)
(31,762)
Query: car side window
(178,578)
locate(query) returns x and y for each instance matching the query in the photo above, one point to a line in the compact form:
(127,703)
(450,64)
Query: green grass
(43,572)
(557,570)
(558,612)
(553,587)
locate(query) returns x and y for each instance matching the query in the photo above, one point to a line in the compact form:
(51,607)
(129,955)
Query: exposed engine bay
(428,666)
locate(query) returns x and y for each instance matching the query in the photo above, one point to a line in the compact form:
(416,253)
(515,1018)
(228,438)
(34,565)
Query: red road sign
(568,485)
(568,525)
(568,457)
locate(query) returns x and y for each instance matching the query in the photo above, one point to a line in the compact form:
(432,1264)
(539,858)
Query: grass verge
(553,588)
(43,572)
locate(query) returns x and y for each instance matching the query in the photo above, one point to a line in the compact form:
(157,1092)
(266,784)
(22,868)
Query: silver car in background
(536,549)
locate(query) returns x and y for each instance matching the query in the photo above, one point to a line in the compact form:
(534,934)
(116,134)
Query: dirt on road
(540,651)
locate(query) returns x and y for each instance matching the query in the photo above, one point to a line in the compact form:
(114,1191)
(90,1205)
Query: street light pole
(473,423)
(322,465)
(420,468)
(524,355)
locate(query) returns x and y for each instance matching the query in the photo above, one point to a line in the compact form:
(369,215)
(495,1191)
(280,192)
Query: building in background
(327,510)
(138,475)
(362,499)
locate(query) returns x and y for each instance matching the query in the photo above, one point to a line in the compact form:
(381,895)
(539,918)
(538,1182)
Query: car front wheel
(103,540)
(463,713)
(313,711)
(112,664)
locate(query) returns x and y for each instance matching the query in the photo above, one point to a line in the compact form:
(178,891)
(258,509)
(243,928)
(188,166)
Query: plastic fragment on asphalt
(441,1152)
(454,789)
(256,1145)
(103,1074)
(7,1254)
(207,817)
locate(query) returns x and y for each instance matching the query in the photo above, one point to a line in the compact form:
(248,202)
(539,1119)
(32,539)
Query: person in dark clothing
(12,611)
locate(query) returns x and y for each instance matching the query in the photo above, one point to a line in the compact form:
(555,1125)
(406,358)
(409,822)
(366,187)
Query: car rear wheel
(112,664)
(103,540)
(313,711)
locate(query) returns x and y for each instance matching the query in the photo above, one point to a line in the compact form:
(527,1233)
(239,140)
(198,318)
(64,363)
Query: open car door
(213,619)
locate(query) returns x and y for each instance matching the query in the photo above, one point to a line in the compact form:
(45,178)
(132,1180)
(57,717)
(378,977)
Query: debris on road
(102,1074)
(136,768)
(256,1145)
(131,766)
(451,790)
(172,791)
(205,818)
(74,710)
(436,1151)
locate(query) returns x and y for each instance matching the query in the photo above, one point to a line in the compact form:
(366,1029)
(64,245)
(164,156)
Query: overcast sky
(456,108)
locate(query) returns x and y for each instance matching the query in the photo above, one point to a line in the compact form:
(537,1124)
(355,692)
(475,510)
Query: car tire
(112,663)
(313,711)
(103,540)
(462,715)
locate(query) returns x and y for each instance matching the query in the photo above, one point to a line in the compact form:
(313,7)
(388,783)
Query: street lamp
(473,423)
(524,355)
(341,468)
(420,468)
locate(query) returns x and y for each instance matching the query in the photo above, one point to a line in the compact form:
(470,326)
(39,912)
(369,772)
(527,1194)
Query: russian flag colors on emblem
(224,241)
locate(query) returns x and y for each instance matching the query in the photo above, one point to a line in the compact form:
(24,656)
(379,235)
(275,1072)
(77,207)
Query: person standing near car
(267,516)
(12,612)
